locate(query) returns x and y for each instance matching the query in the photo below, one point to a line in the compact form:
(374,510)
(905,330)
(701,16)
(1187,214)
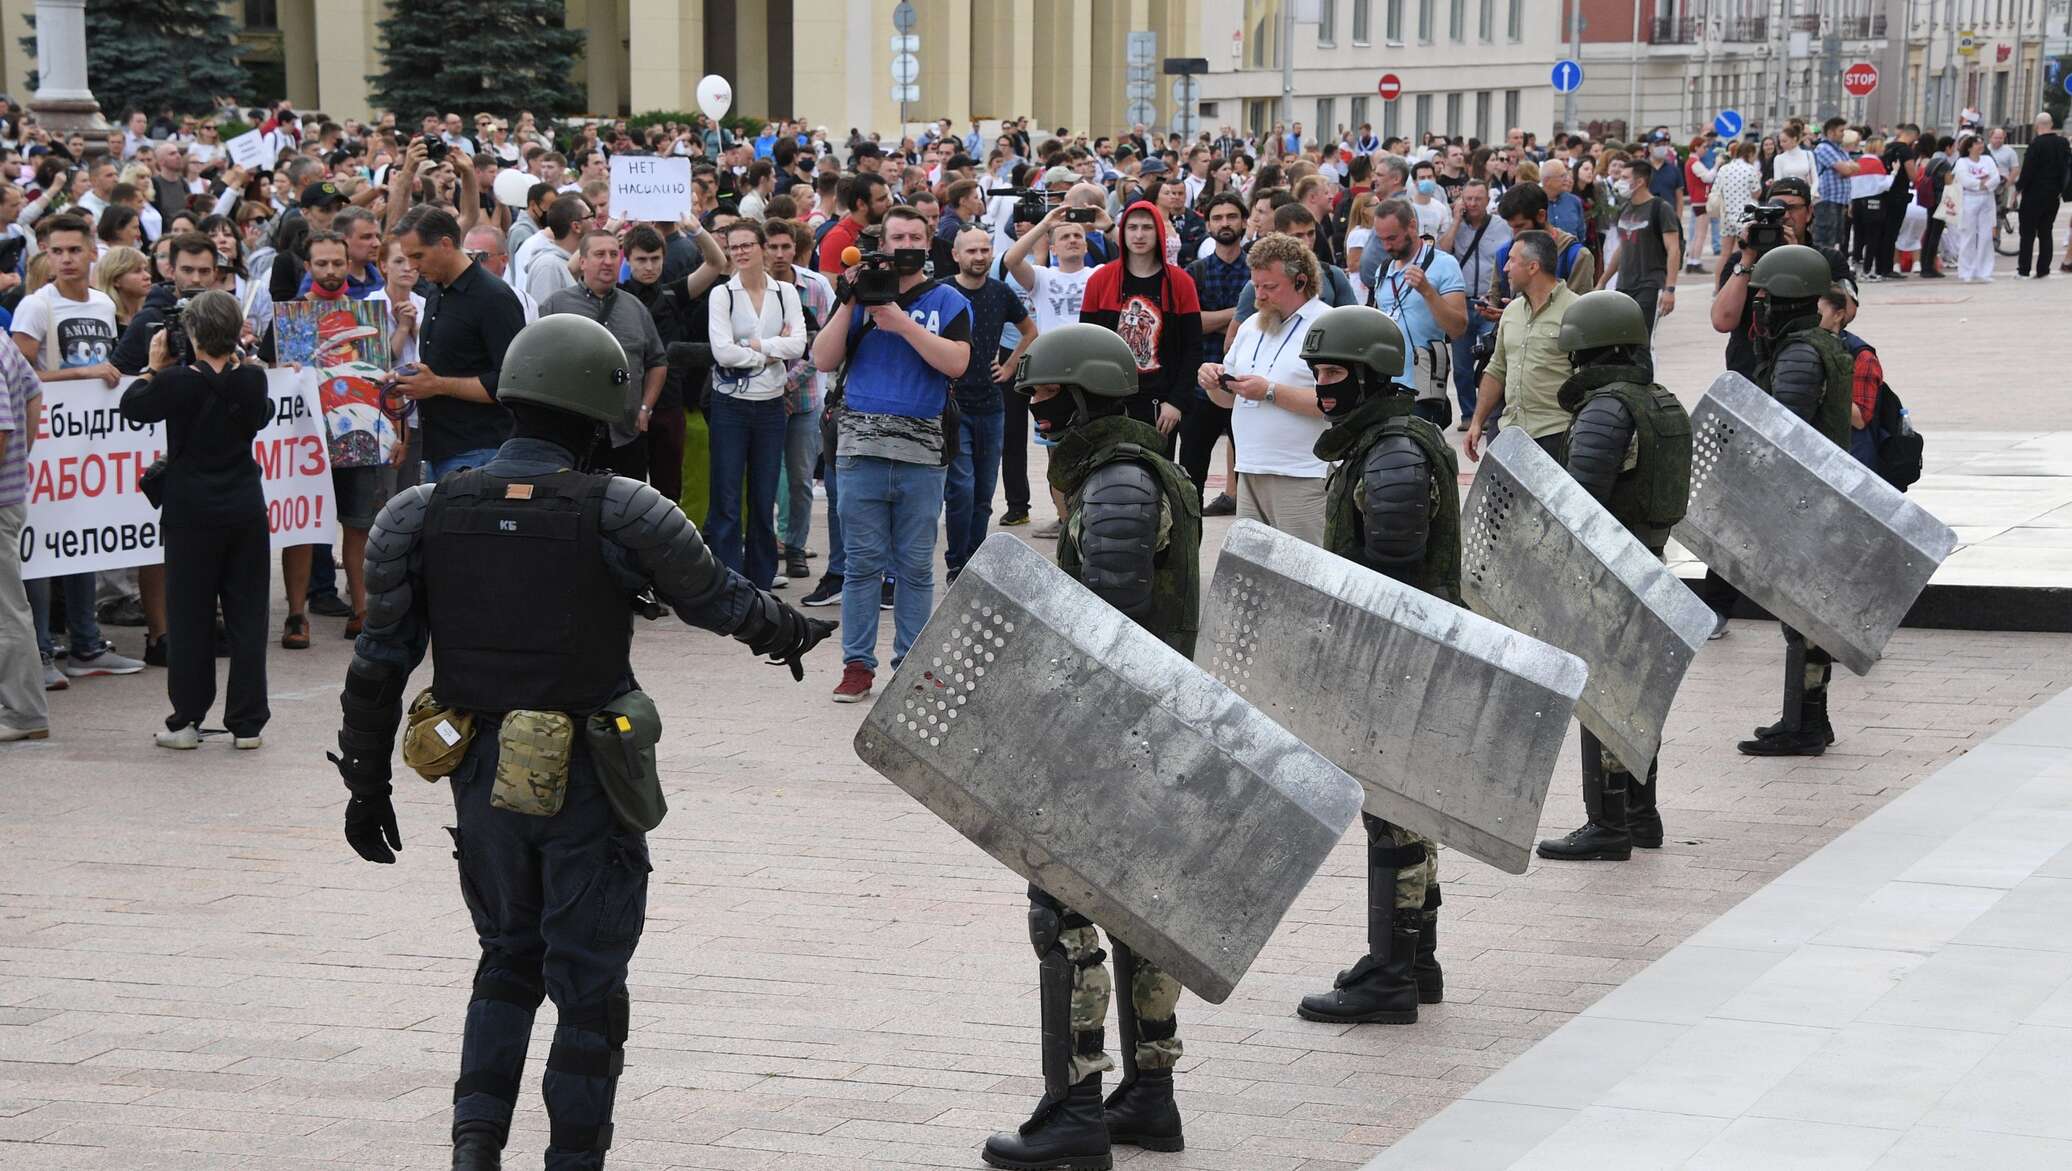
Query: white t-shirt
(70,333)
(1271,439)
(1057,296)
(1433,216)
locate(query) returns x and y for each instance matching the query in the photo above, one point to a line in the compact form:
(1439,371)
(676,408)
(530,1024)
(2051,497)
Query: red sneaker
(855,686)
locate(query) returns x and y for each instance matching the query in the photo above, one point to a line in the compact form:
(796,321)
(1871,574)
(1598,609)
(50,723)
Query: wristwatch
(1269,392)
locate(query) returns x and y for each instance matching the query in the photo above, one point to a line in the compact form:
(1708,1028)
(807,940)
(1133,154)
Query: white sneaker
(53,678)
(185,738)
(247,743)
(9,733)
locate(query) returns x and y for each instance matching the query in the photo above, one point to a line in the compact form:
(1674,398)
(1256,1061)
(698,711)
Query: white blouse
(780,330)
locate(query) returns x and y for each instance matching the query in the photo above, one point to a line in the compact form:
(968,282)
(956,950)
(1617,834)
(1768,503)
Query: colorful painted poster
(346,342)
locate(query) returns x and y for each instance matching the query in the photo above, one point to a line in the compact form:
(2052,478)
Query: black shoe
(827,593)
(1807,741)
(1222,505)
(1378,989)
(154,651)
(329,605)
(477,1150)
(1015,516)
(1643,820)
(885,597)
(1603,838)
(1591,843)
(795,566)
(1431,980)
(123,611)
(1779,729)
(1069,1135)
(1141,1113)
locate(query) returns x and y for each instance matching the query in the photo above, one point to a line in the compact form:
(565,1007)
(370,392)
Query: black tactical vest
(525,614)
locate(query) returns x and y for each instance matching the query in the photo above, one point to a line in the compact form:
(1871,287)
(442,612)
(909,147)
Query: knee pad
(524,991)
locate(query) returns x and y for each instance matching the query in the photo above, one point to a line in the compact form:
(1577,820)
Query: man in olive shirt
(1527,369)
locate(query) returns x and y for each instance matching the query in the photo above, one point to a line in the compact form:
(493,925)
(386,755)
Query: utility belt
(534,750)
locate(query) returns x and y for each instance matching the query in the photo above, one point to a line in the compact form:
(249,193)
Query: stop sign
(1860,79)
(1391,87)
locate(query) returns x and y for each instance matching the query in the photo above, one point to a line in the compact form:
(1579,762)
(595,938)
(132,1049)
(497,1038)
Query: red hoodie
(1166,338)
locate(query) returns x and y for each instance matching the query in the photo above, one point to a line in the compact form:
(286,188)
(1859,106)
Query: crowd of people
(851,312)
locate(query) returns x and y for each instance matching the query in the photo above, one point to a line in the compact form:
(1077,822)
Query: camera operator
(1733,310)
(896,360)
(214,515)
(194,271)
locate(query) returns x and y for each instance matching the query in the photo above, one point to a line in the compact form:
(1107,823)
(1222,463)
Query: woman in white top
(1793,160)
(1271,393)
(405,313)
(756,325)
(1359,219)
(1739,182)
(1977,175)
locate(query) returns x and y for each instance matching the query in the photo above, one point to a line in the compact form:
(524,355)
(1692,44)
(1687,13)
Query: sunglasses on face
(478,255)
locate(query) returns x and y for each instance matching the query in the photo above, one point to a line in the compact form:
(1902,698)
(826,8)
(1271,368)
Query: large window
(1486,26)
(1326,131)
(1358,117)
(1510,109)
(1391,119)
(1363,17)
(1394,30)
(1425,20)
(1423,126)
(1515,26)
(1452,115)
(1482,116)
(1457,20)
(1327,23)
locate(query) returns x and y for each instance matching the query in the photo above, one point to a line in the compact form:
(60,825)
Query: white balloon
(715,96)
(512,187)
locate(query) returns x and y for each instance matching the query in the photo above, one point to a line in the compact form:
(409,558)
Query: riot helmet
(1367,345)
(1603,327)
(568,363)
(1790,280)
(1091,367)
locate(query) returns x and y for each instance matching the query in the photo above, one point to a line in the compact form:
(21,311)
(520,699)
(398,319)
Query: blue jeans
(1464,380)
(968,487)
(747,438)
(461,462)
(82,628)
(801,448)
(888,514)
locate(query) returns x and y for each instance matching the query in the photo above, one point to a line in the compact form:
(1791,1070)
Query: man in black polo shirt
(469,320)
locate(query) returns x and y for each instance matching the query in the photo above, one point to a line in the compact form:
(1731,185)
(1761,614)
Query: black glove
(370,827)
(788,636)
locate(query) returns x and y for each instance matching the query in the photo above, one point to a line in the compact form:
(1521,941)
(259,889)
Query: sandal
(295,634)
(353,628)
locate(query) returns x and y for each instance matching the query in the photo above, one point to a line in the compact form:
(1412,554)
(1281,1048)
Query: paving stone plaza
(1855,960)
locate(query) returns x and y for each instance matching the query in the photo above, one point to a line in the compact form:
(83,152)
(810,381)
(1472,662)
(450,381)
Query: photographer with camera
(194,271)
(1784,217)
(213,513)
(897,339)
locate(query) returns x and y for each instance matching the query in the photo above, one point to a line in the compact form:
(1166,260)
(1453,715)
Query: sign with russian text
(647,187)
(86,513)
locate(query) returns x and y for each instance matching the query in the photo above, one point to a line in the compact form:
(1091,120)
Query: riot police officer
(1807,370)
(1629,445)
(1132,534)
(520,574)
(1392,504)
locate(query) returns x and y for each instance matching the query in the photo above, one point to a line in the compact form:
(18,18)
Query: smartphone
(1080,215)
(1224,380)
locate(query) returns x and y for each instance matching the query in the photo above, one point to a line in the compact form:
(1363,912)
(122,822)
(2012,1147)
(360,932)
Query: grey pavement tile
(2021,1087)
(1780,1145)
(1684,986)
(1473,1136)
(1601,1137)
(1717,1069)
(1911,916)
(1780,918)
(2033,915)
(2000,849)
(1937,1149)
(1983,989)
(1877,1075)
(1578,1062)
(1822,986)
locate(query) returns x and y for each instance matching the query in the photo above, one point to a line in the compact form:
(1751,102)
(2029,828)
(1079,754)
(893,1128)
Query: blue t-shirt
(894,398)
(1406,306)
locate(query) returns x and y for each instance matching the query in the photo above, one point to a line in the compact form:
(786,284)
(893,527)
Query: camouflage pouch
(532,762)
(435,737)
(622,737)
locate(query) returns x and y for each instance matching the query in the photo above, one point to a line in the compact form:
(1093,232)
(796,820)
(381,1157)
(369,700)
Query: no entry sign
(1391,87)
(1860,79)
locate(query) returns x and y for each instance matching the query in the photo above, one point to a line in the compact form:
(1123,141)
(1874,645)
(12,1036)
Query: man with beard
(1153,306)
(1219,279)
(975,457)
(868,201)
(1422,291)
(1476,241)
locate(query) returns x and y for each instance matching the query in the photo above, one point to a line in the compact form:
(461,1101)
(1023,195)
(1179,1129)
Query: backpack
(1895,446)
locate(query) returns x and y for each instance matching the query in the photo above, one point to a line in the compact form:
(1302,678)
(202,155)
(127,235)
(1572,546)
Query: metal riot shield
(1803,528)
(1097,762)
(1451,721)
(1543,557)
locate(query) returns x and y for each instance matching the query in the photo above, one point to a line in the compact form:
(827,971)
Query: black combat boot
(477,1147)
(1810,738)
(1380,988)
(1141,1112)
(1431,982)
(1603,838)
(1068,1135)
(1643,820)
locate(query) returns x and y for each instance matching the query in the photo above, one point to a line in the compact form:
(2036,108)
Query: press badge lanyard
(1396,280)
(1292,329)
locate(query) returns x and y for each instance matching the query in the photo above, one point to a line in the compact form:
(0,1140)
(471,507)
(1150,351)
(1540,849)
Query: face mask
(1053,414)
(908,261)
(1337,399)
(1427,188)
(1624,187)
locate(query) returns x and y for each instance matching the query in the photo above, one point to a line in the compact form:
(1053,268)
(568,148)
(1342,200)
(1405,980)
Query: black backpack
(1897,443)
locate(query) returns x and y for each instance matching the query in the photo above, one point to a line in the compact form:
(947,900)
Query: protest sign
(86,513)
(649,188)
(248,150)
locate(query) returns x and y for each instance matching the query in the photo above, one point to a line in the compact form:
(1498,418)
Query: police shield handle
(1095,761)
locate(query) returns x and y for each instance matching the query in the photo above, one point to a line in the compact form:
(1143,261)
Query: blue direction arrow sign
(1728,124)
(2068,82)
(1568,76)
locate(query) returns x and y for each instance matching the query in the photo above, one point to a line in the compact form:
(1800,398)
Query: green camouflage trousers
(1411,881)
(1153,993)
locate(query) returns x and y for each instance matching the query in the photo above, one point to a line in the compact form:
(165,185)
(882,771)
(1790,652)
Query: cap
(1789,185)
(321,195)
(1152,166)
(1058,175)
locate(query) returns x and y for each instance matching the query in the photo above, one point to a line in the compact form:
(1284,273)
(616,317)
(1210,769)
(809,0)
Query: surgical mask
(1053,414)
(1427,188)
(1623,187)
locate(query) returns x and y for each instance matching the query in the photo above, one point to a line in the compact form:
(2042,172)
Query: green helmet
(1355,337)
(1084,358)
(1792,272)
(1606,317)
(567,362)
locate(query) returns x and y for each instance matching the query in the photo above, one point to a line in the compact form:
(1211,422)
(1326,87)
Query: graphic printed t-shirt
(70,333)
(1141,319)
(1058,295)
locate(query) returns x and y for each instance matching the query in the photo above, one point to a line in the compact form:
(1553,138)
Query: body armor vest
(1176,577)
(525,614)
(1650,497)
(1832,418)
(1345,523)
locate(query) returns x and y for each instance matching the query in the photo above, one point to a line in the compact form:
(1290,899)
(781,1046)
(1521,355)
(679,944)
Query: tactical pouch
(622,737)
(435,737)
(532,762)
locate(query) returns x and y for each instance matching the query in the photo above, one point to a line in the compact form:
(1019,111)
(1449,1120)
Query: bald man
(1564,207)
(2040,181)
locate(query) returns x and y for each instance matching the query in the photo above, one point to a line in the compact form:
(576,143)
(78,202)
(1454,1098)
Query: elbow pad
(1396,508)
(666,547)
(1597,444)
(1118,534)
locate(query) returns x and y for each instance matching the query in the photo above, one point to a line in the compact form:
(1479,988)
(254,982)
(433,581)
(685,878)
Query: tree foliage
(461,56)
(149,54)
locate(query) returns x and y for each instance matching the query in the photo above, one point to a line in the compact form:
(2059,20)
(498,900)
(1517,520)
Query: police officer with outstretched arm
(520,575)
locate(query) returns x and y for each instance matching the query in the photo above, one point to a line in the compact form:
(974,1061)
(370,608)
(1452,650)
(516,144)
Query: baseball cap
(322,195)
(1058,175)
(1789,185)
(1152,166)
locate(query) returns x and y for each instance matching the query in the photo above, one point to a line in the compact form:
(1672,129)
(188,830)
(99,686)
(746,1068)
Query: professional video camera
(178,344)
(1763,226)
(877,273)
(1030,203)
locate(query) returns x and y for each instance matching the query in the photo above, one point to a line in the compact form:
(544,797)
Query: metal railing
(1678,30)
(1747,28)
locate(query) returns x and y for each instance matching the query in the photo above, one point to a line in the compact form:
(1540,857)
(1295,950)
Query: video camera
(1030,204)
(178,344)
(1763,226)
(877,275)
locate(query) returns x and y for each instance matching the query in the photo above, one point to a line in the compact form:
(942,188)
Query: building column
(667,54)
(345,44)
(603,53)
(946,52)
(1003,62)
(752,58)
(1063,89)
(64,101)
(299,52)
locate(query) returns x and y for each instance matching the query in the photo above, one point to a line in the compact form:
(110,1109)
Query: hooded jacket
(1170,378)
